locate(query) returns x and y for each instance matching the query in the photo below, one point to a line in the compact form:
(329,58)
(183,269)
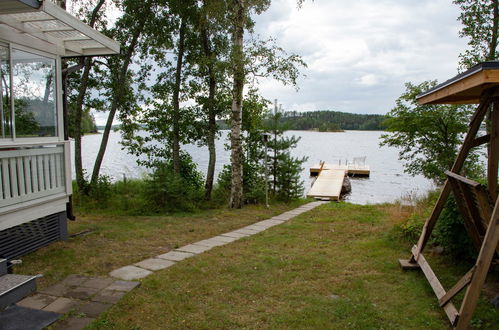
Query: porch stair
(14,287)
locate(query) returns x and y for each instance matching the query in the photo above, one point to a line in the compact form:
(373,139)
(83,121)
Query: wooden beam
(461,284)
(482,264)
(437,287)
(493,150)
(481,140)
(456,168)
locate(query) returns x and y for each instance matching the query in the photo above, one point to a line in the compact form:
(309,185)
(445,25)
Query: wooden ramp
(328,184)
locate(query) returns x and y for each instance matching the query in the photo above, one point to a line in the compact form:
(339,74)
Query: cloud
(360,53)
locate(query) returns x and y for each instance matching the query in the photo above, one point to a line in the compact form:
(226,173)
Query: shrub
(167,191)
(451,234)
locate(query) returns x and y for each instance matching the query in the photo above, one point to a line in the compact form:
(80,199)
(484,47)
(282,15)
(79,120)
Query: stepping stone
(36,301)
(81,292)
(62,305)
(58,290)
(256,229)
(223,239)
(175,255)
(193,248)
(155,264)
(97,282)
(246,231)
(235,235)
(108,296)
(281,218)
(210,243)
(128,273)
(74,280)
(124,286)
(93,308)
(270,222)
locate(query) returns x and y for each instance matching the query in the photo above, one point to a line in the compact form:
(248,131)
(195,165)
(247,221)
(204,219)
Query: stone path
(148,266)
(83,298)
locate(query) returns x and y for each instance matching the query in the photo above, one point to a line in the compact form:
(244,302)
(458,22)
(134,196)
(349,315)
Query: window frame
(59,136)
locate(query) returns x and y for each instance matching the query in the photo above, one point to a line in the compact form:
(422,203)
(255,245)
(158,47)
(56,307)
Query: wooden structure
(328,185)
(350,169)
(35,167)
(478,204)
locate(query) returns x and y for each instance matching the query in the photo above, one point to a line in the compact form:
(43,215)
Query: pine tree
(284,169)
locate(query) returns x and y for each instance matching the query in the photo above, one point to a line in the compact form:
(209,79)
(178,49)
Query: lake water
(387,182)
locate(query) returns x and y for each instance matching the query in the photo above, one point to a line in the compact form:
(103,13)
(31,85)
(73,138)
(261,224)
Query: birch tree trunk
(210,109)
(236,192)
(176,99)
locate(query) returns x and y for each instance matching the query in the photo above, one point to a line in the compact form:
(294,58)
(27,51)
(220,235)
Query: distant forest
(327,121)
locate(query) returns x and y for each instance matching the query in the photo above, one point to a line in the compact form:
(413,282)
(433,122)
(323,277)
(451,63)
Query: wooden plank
(463,179)
(58,170)
(51,161)
(328,185)
(27,175)
(40,173)
(464,281)
(464,90)
(456,168)
(493,150)
(20,175)
(437,287)
(34,173)
(465,212)
(481,140)
(6,178)
(13,177)
(32,152)
(482,264)
(46,172)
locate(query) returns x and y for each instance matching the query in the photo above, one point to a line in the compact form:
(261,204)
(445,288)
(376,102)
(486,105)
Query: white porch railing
(30,173)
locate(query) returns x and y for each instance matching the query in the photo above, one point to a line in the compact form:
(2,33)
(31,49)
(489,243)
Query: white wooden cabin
(35,164)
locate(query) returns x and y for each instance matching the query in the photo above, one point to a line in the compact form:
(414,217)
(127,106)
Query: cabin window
(5,107)
(33,79)
(27,80)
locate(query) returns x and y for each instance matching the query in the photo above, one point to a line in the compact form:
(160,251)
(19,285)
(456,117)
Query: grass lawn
(115,241)
(334,267)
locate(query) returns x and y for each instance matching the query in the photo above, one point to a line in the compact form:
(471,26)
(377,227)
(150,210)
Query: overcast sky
(360,52)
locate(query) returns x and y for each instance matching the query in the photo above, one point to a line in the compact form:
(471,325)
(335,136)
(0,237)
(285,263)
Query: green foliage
(480,26)
(88,124)
(285,170)
(167,191)
(450,233)
(326,120)
(428,136)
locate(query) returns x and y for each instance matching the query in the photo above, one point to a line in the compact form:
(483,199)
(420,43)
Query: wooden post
(493,150)
(482,267)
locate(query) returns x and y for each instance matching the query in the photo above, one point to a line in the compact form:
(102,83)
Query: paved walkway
(148,266)
(83,298)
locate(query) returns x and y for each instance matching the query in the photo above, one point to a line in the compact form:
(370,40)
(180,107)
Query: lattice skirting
(30,236)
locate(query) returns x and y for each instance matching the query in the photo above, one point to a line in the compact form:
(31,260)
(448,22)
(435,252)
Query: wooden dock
(328,184)
(351,169)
